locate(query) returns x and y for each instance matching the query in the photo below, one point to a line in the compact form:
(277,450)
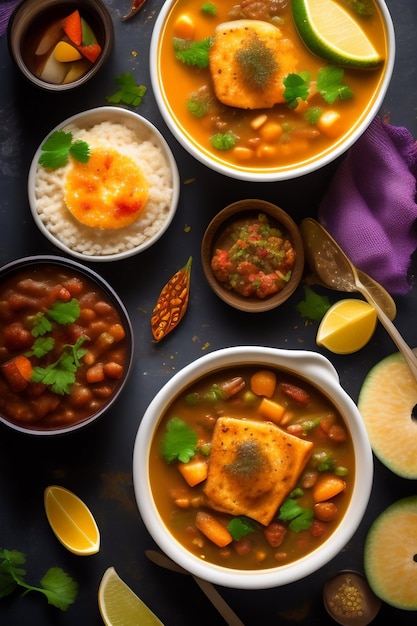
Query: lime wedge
(333,34)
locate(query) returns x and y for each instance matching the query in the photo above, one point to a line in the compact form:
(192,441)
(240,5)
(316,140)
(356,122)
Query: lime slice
(386,403)
(71,521)
(120,606)
(347,326)
(390,554)
(331,33)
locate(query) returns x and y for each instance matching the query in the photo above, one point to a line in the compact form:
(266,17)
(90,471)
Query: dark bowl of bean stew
(252,255)
(66,345)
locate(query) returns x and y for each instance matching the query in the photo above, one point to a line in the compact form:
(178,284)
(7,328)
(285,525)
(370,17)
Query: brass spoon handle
(408,354)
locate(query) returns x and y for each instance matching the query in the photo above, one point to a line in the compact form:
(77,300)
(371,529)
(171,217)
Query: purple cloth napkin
(370,208)
(6,9)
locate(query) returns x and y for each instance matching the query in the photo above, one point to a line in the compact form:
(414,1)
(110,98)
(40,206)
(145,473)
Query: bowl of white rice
(60,207)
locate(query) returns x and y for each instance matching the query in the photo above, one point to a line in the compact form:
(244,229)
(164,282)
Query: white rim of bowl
(288,173)
(314,366)
(95,116)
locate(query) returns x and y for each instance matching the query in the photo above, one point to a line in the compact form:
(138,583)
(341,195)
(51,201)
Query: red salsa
(253,257)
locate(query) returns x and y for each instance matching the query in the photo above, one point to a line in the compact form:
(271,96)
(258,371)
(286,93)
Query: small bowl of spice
(59,45)
(253,255)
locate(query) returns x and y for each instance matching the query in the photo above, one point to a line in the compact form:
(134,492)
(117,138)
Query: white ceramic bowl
(311,366)
(128,241)
(264,172)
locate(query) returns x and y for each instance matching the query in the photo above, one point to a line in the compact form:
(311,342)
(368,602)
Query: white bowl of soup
(252,467)
(66,345)
(115,192)
(252,130)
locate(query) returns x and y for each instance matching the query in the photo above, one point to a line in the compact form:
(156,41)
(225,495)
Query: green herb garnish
(223,141)
(179,442)
(256,62)
(57,148)
(209,8)
(60,375)
(298,517)
(198,103)
(193,52)
(314,306)
(58,587)
(129,92)
(313,114)
(239,527)
(296,87)
(331,86)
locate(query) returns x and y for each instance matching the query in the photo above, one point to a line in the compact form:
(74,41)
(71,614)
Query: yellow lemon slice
(331,33)
(71,521)
(120,606)
(347,326)
(108,192)
(390,554)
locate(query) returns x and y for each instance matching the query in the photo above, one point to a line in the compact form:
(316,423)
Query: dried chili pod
(172,303)
(135,8)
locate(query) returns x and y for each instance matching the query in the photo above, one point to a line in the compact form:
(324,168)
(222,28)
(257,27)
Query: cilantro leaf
(41,325)
(64,312)
(179,441)
(314,306)
(298,517)
(60,375)
(223,141)
(330,84)
(296,86)
(198,103)
(58,587)
(129,92)
(56,149)
(41,346)
(239,527)
(313,115)
(193,52)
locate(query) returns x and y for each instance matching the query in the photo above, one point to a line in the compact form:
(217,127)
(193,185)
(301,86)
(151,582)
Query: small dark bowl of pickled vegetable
(252,255)
(59,45)
(66,345)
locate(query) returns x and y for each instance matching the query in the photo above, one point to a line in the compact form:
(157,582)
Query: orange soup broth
(167,483)
(178,81)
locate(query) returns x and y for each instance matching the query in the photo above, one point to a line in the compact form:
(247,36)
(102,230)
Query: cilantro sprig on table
(128,91)
(314,306)
(56,585)
(57,148)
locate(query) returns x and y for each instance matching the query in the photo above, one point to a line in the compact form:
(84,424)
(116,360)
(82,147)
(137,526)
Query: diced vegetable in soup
(252,468)
(63,347)
(243,86)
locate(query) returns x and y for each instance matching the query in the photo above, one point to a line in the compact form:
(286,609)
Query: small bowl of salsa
(251,467)
(252,255)
(66,345)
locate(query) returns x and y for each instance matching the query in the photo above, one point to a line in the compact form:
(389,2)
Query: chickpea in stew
(251,468)
(63,347)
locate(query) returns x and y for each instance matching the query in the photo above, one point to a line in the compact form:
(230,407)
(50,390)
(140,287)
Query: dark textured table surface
(96,463)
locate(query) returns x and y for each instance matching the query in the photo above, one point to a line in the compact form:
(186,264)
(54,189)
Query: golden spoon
(336,271)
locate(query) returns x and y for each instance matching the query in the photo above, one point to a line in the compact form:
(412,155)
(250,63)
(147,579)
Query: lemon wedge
(71,521)
(347,326)
(331,33)
(120,606)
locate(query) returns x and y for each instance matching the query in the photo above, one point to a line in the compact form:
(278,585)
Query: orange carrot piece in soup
(328,486)
(271,410)
(213,529)
(195,471)
(72,27)
(263,383)
(18,372)
(91,52)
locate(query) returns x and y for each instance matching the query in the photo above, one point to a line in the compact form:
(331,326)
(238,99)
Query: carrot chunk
(17,372)
(271,410)
(72,28)
(195,471)
(263,383)
(213,529)
(327,487)
(91,52)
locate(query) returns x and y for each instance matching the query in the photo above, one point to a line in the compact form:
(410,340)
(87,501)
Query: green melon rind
(391,431)
(310,39)
(384,552)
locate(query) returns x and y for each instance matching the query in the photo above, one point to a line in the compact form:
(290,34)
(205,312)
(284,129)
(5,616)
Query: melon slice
(386,402)
(390,554)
